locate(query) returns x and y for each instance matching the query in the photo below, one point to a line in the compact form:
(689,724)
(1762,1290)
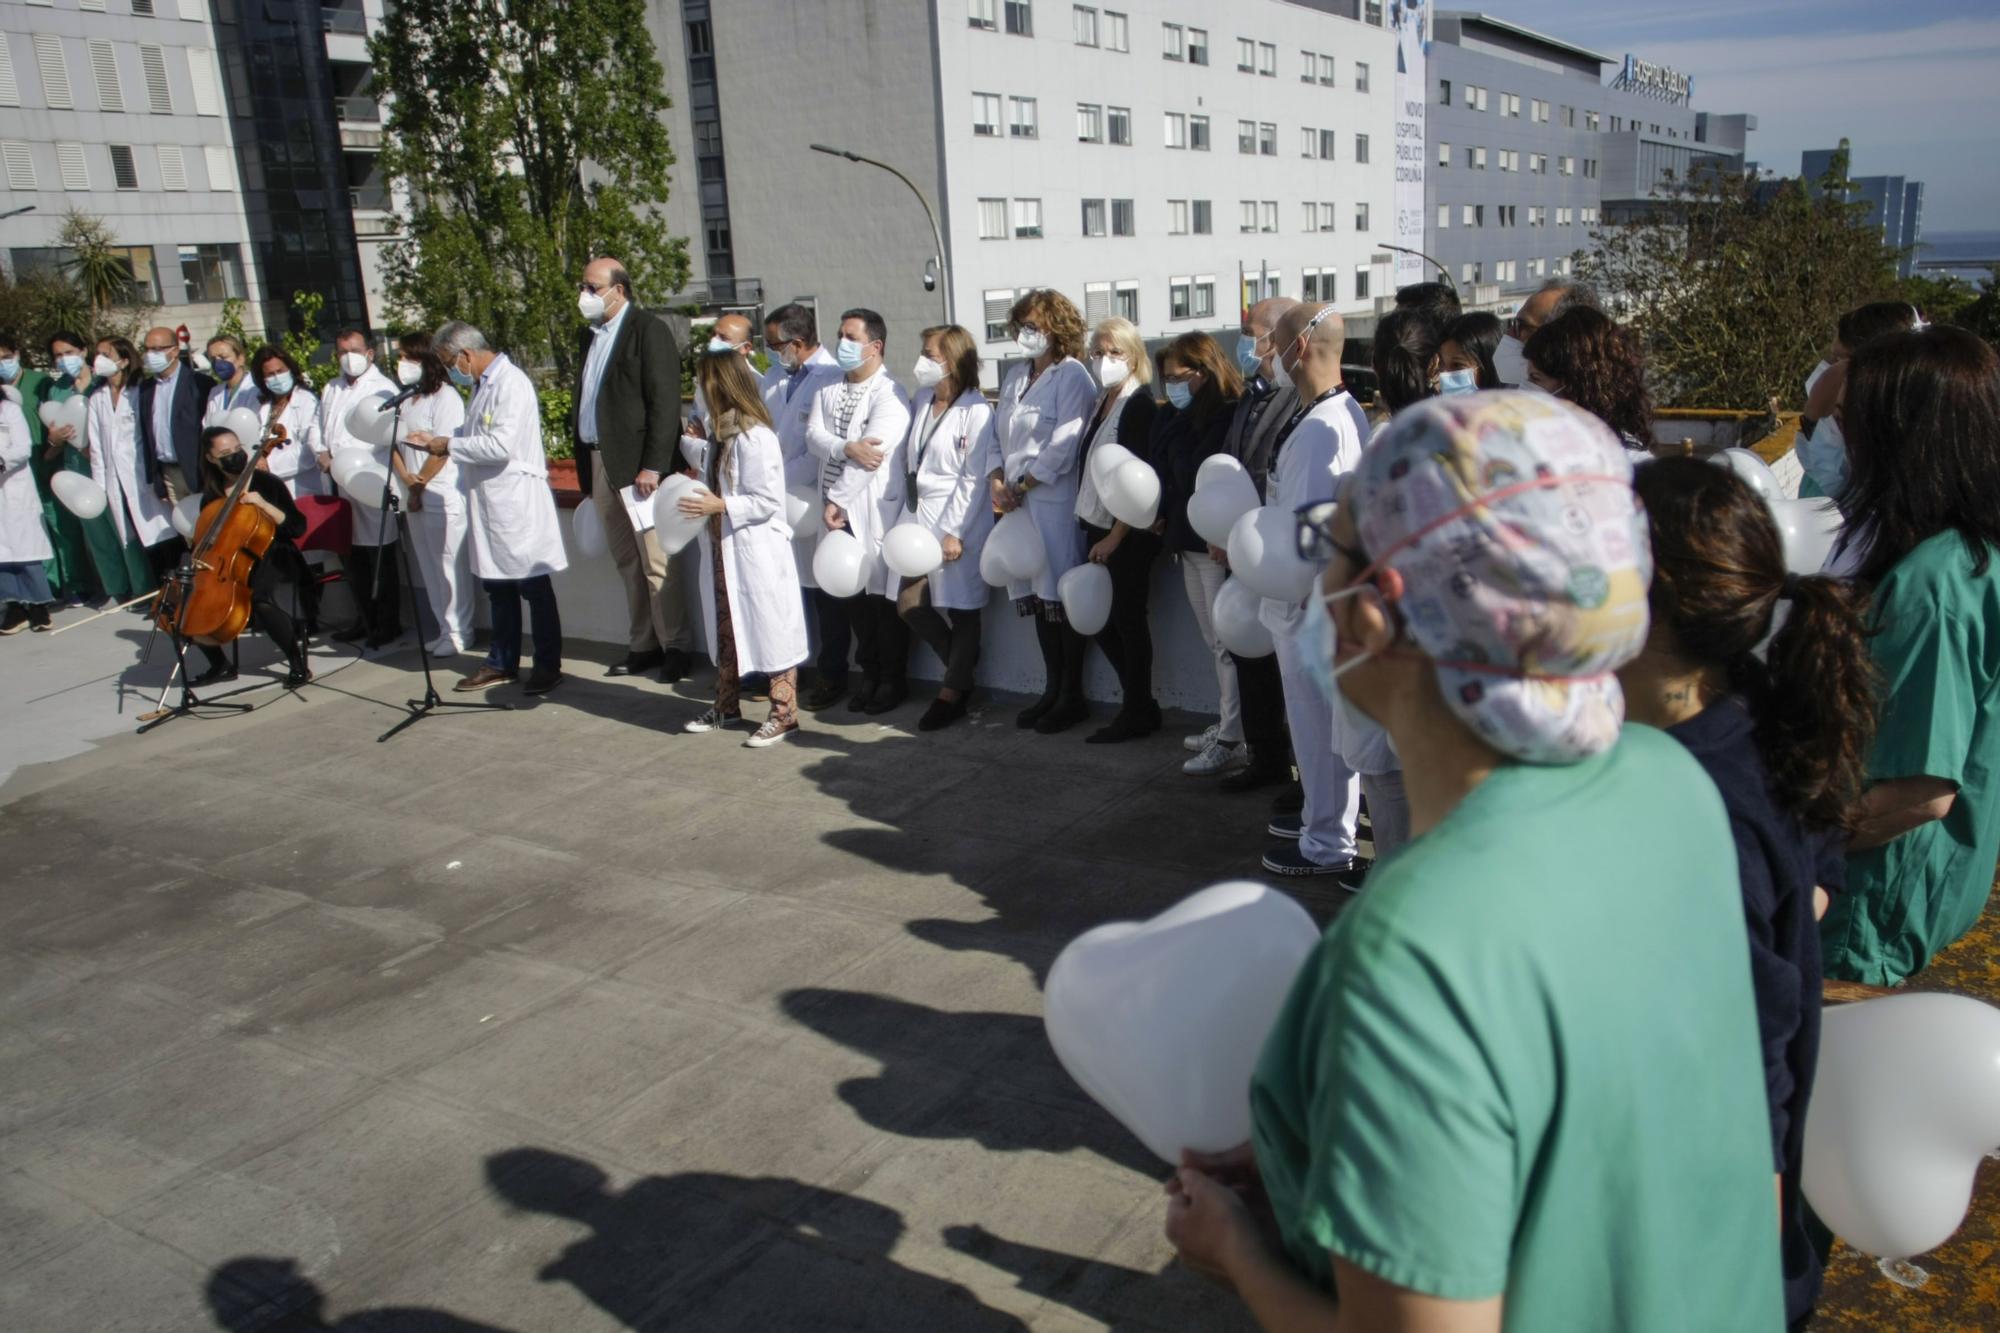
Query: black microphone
(402,397)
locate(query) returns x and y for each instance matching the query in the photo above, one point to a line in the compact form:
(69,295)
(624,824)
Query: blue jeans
(505,596)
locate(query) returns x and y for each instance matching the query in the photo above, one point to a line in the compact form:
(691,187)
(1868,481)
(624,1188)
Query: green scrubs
(1937,649)
(1525,1062)
(69,568)
(120,569)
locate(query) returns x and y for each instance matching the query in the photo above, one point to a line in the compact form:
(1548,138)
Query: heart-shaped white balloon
(371,419)
(1219,502)
(840,564)
(1808,528)
(1017,546)
(1905,1104)
(1237,624)
(804,514)
(990,569)
(81,495)
(1162,1021)
(1264,553)
(586,527)
(1754,470)
(1085,592)
(1106,459)
(1132,494)
(1217,466)
(673,528)
(912,550)
(187,512)
(245,425)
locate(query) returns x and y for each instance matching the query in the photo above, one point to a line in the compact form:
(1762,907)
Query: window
(1119,125)
(213,273)
(1173,41)
(207,83)
(1246,55)
(1267,139)
(1311,216)
(1177,217)
(1125,301)
(1592,123)
(1021,119)
(1117,32)
(1198,133)
(1180,298)
(992,219)
(1444,217)
(154,62)
(1326,216)
(1311,67)
(1361,216)
(1537,215)
(1473,216)
(998,306)
(221,168)
(1326,71)
(1268,216)
(1538,163)
(1085,22)
(1327,139)
(1373,13)
(1510,105)
(1093,217)
(143,8)
(1176,130)
(1027,219)
(1590,167)
(1197,46)
(20,166)
(1247,216)
(1089,123)
(1566,166)
(1246,136)
(1538,268)
(1510,159)
(1204,217)
(1479,158)
(1617,124)
(1360,148)
(1360,77)
(104,69)
(73,166)
(1444,92)
(1444,154)
(1569,115)
(124,171)
(1504,271)
(1204,298)
(1122,218)
(1096,303)
(982,14)
(1360,284)
(173,168)
(986,114)
(1472,272)
(1309,285)
(1506,215)
(1267,59)
(10,87)
(1020,18)
(1478,98)
(1308,143)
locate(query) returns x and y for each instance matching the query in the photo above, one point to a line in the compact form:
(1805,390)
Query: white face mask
(716,344)
(103,367)
(1032,342)
(1510,363)
(788,359)
(1110,371)
(590,305)
(354,364)
(927,373)
(408,372)
(154,361)
(1824,454)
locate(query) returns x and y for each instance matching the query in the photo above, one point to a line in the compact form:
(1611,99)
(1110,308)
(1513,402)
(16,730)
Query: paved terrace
(557,1019)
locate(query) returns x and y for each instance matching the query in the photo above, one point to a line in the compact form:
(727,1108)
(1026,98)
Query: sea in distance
(1961,254)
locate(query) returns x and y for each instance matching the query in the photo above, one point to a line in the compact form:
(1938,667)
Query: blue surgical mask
(1458,381)
(224,371)
(1824,455)
(1246,354)
(279,385)
(70,364)
(154,361)
(1362,741)
(1179,394)
(460,378)
(720,345)
(10,369)
(851,354)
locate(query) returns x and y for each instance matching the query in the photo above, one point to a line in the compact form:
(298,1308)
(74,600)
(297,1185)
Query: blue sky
(1915,85)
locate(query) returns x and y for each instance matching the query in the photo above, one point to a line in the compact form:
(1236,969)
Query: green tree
(1981,315)
(303,342)
(230,323)
(526,135)
(96,292)
(1735,284)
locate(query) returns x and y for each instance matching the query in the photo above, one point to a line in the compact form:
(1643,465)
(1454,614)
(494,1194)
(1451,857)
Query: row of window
(1021,219)
(1510,159)
(1190,297)
(101,57)
(74,170)
(1512,270)
(1112,31)
(1475,98)
(196,10)
(1508,215)
(1096,123)
(210,273)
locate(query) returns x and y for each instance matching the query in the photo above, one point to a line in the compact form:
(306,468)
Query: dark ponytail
(1718,579)
(1406,352)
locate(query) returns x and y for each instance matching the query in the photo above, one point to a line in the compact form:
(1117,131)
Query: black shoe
(300,675)
(674,665)
(1034,712)
(858,701)
(541,682)
(38,618)
(15,621)
(1126,726)
(887,696)
(823,695)
(384,638)
(352,634)
(220,672)
(1290,801)
(942,713)
(1253,776)
(637,664)
(1062,717)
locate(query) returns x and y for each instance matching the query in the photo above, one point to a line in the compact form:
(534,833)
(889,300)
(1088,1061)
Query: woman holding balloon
(948,420)
(284,400)
(140,520)
(24,544)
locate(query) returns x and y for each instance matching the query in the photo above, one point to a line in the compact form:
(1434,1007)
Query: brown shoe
(484,679)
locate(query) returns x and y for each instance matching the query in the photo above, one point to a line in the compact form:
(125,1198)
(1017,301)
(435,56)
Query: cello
(213,607)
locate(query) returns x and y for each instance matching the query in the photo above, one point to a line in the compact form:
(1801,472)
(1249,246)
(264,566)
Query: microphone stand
(419,709)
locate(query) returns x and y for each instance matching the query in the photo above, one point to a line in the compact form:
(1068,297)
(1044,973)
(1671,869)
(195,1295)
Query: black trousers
(165,556)
(270,620)
(1127,637)
(835,635)
(952,634)
(376,581)
(1263,696)
(882,640)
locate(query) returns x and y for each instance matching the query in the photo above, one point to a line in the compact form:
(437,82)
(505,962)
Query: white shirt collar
(610,326)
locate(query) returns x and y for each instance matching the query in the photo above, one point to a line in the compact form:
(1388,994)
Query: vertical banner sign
(1410,20)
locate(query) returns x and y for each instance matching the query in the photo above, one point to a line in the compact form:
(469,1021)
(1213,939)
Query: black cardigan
(1179,447)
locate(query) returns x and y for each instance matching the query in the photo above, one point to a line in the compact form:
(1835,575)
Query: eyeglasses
(592,287)
(1314,534)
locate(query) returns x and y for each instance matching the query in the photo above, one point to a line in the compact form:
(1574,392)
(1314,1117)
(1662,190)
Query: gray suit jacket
(1253,430)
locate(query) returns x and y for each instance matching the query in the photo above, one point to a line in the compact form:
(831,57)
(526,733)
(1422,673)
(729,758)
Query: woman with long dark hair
(1785,739)
(1469,344)
(1921,413)
(1821,448)
(437,504)
(1584,356)
(281,570)
(1406,357)
(284,400)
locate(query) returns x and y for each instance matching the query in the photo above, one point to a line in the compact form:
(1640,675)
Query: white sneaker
(1219,757)
(714,720)
(1196,744)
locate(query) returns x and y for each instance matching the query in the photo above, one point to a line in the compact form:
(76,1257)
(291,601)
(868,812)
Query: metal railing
(360,110)
(367,197)
(723,291)
(353,21)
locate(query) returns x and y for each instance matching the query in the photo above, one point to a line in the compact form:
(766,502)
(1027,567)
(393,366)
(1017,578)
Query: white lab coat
(510,511)
(23,540)
(1038,431)
(952,498)
(438,530)
(222,398)
(872,501)
(335,400)
(765,614)
(789,417)
(1321,451)
(296,462)
(112,432)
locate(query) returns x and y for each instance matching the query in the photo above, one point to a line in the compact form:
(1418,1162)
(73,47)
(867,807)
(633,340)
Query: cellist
(281,569)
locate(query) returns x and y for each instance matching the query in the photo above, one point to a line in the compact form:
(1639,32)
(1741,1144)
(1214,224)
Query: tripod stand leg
(431,702)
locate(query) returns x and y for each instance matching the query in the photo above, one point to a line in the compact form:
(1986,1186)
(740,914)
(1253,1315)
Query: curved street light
(944,264)
(1443,272)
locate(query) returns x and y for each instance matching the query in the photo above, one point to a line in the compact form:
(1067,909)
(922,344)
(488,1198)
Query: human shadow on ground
(245,1294)
(703,1249)
(1174,1297)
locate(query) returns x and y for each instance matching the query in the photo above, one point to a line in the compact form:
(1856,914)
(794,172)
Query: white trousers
(1333,797)
(445,562)
(1203,578)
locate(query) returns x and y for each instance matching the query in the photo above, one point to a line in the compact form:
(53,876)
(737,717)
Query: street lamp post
(1443,272)
(16,212)
(943,263)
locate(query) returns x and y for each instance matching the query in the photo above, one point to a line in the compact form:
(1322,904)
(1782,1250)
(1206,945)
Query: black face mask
(232,465)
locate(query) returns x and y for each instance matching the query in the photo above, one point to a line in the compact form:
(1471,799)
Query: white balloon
(1162,1021)
(990,569)
(185,514)
(1216,467)
(1017,545)
(1808,528)
(912,550)
(1752,469)
(1106,459)
(1264,552)
(673,528)
(1086,597)
(71,412)
(1214,508)
(1905,1104)
(369,422)
(586,527)
(47,411)
(244,424)
(1234,616)
(1132,494)
(79,494)
(804,514)
(840,565)
(361,476)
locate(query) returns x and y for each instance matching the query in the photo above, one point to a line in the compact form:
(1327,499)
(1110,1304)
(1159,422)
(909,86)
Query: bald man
(627,430)
(735,330)
(172,398)
(1316,447)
